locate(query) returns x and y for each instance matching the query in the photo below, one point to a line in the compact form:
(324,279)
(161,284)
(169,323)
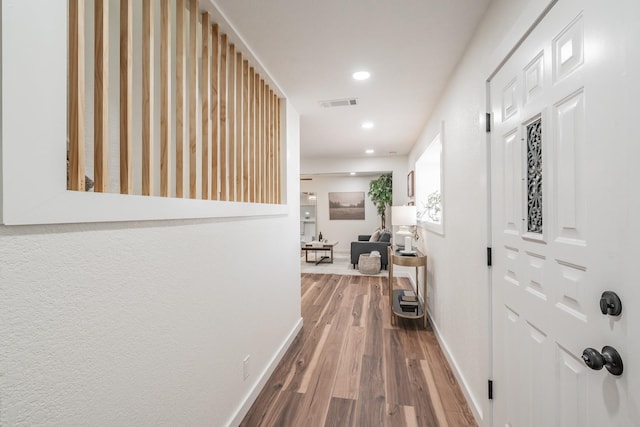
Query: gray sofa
(364,246)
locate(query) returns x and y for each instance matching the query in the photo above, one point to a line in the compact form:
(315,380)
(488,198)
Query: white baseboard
(475,406)
(264,377)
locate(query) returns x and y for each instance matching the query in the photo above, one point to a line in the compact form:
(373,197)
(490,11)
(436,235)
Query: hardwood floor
(349,366)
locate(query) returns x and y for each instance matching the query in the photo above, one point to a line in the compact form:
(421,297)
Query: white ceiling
(311,48)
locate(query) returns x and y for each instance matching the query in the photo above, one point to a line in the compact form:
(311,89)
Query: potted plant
(381,194)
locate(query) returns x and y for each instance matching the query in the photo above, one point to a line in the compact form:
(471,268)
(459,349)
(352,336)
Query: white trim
(475,406)
(251,397)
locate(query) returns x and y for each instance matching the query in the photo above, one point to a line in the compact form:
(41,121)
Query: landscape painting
(346,205)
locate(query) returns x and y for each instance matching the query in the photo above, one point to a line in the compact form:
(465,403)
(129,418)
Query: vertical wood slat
(273,145)
(231,117)
(268,143)
(260,183)
(275,148)
(245,132)
(260,117)
(223,91)
(258,140)
(278,152)
(101,97)
(76,95)
(126,95)
(165,96)
(193,106)
(181,94)
(147,97)
(263,140)
(205,85)
(238,118)
(252,134)
(215,138)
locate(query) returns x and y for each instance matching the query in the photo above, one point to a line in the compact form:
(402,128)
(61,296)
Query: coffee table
(319,246)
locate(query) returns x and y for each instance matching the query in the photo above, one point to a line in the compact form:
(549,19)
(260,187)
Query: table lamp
(404,217)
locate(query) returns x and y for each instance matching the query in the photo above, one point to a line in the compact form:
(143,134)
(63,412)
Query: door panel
(569,188)
(542,295)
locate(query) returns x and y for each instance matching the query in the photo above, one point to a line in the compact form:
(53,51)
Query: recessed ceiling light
(370,151)
(367,125)
(361,75)
(352,173)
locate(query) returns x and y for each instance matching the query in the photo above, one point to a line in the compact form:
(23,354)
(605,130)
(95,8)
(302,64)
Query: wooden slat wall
(239,125)
(147,97)
(165,96)
(101,97)
(205,88)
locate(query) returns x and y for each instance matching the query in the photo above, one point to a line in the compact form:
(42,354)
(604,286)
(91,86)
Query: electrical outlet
(245,368)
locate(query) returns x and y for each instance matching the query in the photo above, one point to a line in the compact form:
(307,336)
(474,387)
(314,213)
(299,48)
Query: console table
(418,260)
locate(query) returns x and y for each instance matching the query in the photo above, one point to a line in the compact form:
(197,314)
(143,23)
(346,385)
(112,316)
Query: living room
(350,177)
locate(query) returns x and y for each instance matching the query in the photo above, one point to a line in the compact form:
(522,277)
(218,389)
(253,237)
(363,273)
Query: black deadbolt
(609,358)
(610,303)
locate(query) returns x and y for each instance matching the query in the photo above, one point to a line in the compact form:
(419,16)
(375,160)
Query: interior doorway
(308,213)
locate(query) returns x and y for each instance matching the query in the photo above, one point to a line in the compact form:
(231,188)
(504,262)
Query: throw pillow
(385,237)
(375,236)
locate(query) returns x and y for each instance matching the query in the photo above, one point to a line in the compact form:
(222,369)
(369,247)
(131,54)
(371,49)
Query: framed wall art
(346,205)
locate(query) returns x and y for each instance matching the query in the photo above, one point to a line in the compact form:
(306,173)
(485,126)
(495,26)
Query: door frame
(489,118)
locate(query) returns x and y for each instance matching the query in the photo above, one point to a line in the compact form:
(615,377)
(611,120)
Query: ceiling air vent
(347,102)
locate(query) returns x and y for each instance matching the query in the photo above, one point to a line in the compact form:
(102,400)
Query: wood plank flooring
(350,367)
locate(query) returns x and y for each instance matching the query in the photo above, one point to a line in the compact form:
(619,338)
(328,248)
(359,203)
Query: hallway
(349,367)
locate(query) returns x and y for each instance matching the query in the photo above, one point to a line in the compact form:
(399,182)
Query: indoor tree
(381,194)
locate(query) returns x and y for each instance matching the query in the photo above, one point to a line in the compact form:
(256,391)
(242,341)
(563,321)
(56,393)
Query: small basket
(368,264)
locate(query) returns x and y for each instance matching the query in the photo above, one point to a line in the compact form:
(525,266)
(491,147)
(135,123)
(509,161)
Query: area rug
(341,265)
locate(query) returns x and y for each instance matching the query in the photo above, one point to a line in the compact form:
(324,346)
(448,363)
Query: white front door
(564,181)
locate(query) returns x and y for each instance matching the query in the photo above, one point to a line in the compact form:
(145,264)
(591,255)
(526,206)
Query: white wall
(344,231)
(397,165)
(144,323)
(459,294)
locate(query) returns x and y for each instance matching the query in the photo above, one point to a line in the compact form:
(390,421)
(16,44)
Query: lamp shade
(403,215)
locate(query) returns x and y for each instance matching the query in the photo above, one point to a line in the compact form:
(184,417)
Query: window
(429,197)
